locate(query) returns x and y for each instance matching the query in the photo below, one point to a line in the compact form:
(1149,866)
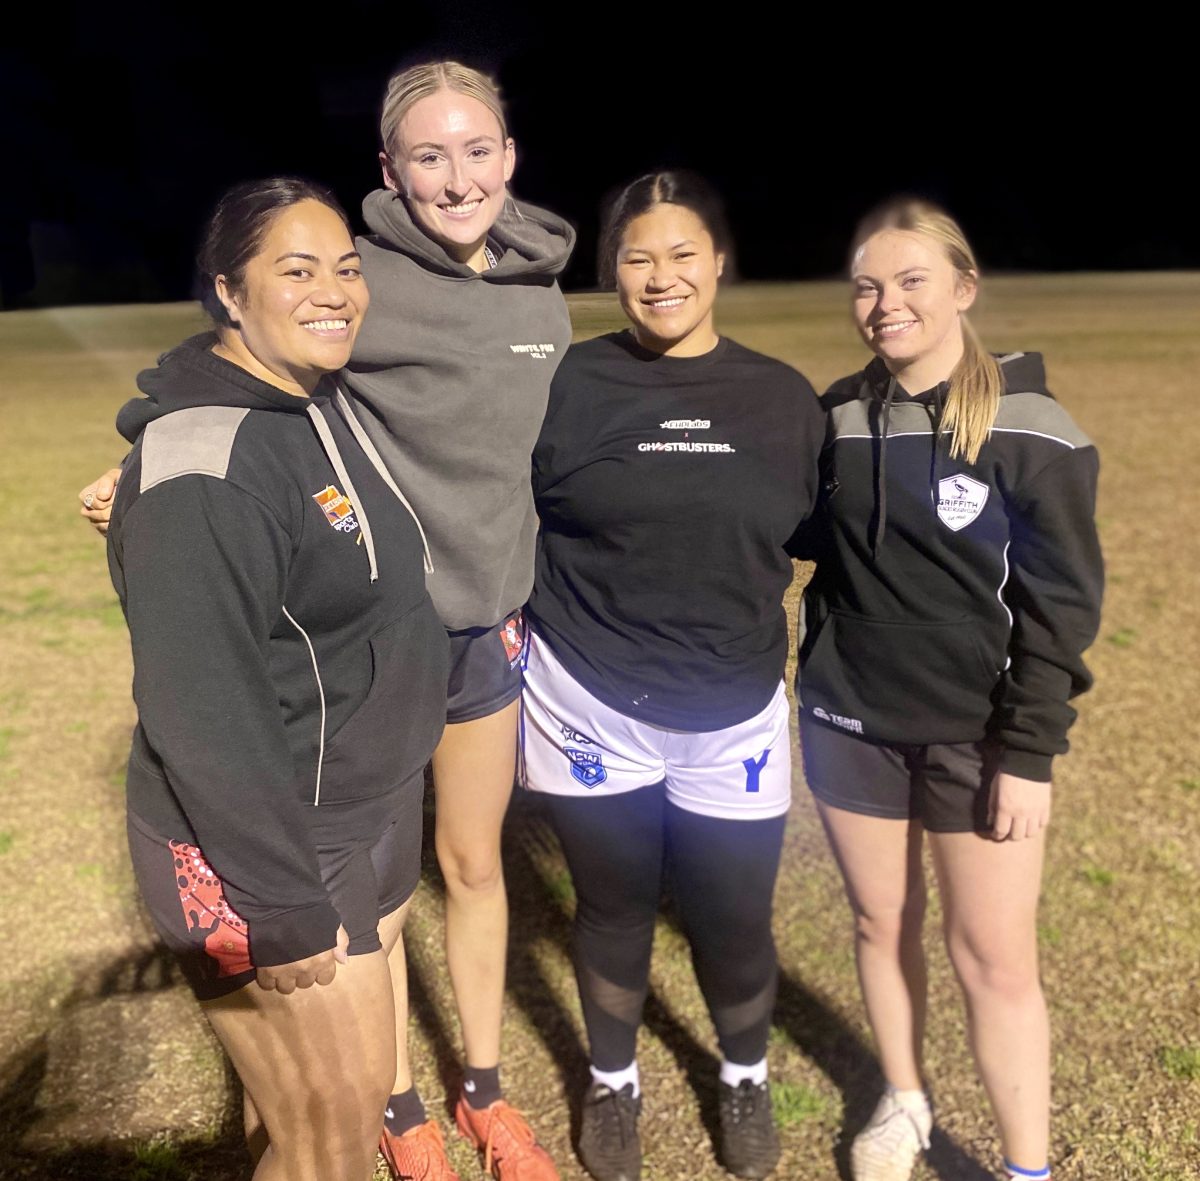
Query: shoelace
(614,1109)
(744,1101)
(497,1117)
(890,1133)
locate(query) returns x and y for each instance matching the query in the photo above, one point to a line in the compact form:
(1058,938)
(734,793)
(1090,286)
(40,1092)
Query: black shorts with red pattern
(485,669)
(185,897)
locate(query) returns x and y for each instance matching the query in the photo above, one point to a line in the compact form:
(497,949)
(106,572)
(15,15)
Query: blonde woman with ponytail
(958,584)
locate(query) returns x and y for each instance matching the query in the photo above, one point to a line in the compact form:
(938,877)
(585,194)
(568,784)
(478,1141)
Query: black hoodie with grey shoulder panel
(289,668)
(450,376)
(953,600)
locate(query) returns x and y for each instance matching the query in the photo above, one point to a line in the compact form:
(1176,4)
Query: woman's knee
(890,924)
(471,869)
(1002,969)
(336,1114)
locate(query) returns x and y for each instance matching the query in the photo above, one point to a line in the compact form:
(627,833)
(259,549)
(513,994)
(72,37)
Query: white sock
(616,1079)
(732,1073)
(914,1101)
(1016,1173)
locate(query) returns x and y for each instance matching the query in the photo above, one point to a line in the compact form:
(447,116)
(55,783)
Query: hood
(189,375)
(1022,372)
(535,241)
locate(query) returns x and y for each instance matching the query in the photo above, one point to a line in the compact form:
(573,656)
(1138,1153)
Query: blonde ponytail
(974,398)
(976,382)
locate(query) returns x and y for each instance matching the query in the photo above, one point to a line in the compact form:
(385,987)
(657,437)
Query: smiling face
(908,304)
(301,300)
(667,272)
(451,163)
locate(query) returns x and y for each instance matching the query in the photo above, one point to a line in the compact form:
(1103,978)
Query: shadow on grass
(536,891)
(820,1033)
(220,1156)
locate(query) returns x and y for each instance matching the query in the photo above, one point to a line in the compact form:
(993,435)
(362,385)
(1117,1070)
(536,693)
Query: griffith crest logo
(339,512)
(960,501)
(586,766)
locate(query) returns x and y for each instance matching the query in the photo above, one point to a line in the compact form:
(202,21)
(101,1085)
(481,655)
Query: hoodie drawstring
(364,441)
(335,458)
(936,433)
(881,475)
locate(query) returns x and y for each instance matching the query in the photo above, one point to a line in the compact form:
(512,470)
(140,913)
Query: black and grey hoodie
(450,376)
(289,667)
(952,599)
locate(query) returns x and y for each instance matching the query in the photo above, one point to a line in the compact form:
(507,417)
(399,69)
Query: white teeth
(465,207)
(666,303)
(327,325)
(893,329)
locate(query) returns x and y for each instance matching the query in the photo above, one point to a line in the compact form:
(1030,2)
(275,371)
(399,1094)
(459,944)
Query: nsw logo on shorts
(586,766)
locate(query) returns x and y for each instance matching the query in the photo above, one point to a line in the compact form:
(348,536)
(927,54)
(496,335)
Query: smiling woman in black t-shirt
(673,468)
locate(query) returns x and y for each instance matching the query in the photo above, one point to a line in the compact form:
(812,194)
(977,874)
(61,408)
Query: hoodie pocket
(900,682)
(392,734)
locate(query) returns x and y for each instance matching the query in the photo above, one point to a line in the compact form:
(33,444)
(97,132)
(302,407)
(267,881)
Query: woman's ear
(229,301)
(389,181)
(966,287)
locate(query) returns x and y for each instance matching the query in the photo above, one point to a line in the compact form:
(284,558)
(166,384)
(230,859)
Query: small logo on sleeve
(960,501)
(339,512)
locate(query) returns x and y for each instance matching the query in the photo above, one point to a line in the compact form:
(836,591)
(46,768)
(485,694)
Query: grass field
(107,1069)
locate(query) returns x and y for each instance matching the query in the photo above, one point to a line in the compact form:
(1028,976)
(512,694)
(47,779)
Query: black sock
(481,1085)
(404,1111)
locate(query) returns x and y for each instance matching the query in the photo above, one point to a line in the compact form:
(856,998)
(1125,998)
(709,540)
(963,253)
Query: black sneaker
(608,1136)
(749,1143)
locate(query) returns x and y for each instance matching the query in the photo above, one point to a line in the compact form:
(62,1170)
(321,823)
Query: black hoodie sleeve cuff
(1027,765)
(292,935)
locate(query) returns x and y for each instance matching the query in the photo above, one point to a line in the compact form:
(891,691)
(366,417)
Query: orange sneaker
(418,1155)
(510,1149)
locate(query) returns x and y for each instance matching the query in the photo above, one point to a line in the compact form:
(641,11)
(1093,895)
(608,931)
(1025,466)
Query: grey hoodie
(450,376)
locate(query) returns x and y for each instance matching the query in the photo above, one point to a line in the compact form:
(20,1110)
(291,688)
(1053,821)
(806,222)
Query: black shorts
(365,879)
(485,669)
(943,785)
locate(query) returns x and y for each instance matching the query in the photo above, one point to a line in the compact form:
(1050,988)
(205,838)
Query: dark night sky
(1053,148)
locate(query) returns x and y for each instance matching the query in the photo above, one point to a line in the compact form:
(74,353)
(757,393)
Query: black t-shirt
(667,488)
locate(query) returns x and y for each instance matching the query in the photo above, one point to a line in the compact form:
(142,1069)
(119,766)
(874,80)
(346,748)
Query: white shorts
(574,745)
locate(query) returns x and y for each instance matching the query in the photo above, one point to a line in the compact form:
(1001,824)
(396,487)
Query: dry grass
(108,1071)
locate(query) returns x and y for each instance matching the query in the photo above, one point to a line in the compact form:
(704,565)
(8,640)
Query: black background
(1060,141)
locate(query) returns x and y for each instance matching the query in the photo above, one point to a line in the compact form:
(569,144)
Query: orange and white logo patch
(512,638)
(339,512)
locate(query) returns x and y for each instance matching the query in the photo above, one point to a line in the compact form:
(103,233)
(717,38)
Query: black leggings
(722,877)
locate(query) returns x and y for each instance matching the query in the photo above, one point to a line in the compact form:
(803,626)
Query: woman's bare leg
(989,896)
(473,770)
(315,1069)
(391,935)
(880,861)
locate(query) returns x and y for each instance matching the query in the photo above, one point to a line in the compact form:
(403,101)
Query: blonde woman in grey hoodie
(450,378)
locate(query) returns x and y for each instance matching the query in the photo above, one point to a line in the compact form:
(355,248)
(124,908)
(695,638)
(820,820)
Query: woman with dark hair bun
(673,468)
(450,381)
(273,579)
